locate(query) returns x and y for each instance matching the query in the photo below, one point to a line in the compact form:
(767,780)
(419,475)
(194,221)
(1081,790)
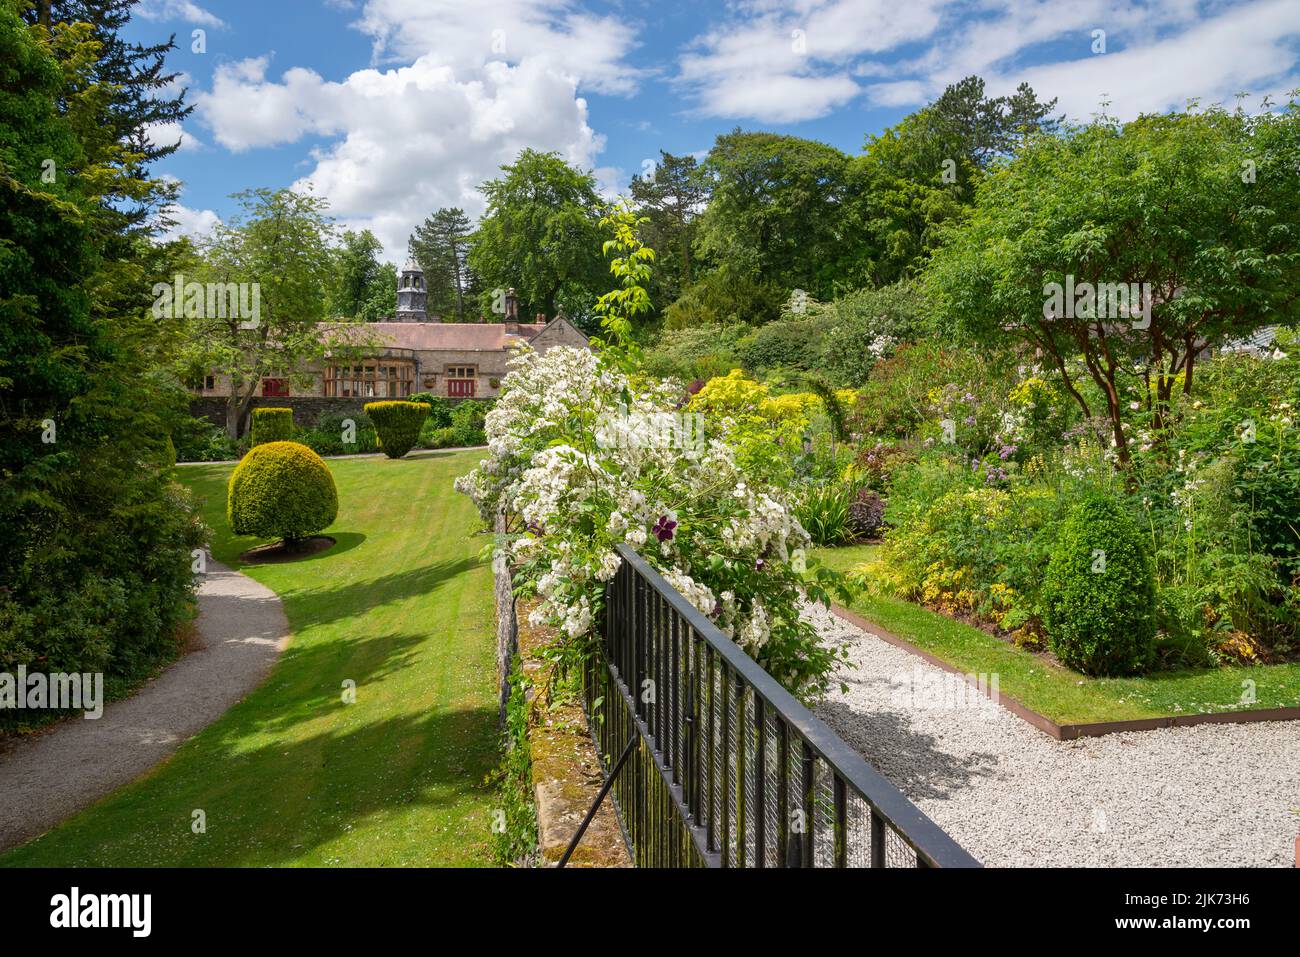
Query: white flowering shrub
(579,463)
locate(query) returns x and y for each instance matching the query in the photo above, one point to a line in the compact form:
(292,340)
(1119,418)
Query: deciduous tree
(540,235)
(1197,212)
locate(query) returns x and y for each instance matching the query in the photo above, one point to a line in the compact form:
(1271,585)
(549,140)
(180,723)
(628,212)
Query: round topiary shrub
(1099,592)
(397,424)
(272,425)
(281,490)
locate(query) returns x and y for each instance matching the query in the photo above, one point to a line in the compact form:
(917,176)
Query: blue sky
(392,108)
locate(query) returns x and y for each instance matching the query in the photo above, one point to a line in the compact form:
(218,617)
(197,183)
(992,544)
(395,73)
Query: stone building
(413,353)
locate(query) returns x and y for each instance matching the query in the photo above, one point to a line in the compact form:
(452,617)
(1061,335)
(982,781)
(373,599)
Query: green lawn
(1063,695)
(292,776)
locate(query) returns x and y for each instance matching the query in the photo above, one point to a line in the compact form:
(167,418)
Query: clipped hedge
(281,490)
(272,425)
(397,424)
(1099,592)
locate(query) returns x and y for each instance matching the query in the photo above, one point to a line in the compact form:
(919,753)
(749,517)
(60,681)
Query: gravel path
(1211,795)
(51,775)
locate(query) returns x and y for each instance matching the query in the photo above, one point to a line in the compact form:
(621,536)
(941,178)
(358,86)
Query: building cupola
(412,296)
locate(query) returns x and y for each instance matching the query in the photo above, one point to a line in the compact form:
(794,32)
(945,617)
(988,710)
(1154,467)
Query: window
(461,381)
(209,382)
(275,388)
(376,379)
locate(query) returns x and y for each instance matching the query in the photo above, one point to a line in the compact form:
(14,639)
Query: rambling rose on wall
(579,460)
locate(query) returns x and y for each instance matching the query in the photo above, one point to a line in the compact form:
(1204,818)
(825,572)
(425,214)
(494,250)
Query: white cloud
(169,134)
(246,110)
(406,140)
(457,90)
(194,223)
(1252,48)
(1161,53)
(784,65)
(177,10)
(465,34)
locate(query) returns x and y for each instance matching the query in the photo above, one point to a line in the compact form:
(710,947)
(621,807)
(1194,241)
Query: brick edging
(1069,732)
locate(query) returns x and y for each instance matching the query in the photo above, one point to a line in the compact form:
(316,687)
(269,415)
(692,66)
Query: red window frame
(275,388)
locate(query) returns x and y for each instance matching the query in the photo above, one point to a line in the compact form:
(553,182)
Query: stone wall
(507,625)
(565,767)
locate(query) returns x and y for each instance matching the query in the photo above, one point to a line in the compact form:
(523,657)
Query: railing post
(760,784)
(726,765)
(841,823)
(809,811)
(877,840)
(783,794)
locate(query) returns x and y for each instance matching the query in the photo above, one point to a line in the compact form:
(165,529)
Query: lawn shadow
(361,660)
(343,542)
(355,780)
(331,603)
(274,804)
(442,453)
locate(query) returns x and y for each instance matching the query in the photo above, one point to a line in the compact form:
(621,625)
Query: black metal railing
(728,769)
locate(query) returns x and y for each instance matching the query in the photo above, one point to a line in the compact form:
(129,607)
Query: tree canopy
(921,173)
(95,540)
(1197,212)
(360,285)
(540,234)
(671,198)
(777,212)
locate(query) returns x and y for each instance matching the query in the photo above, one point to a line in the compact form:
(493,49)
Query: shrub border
(1070,732)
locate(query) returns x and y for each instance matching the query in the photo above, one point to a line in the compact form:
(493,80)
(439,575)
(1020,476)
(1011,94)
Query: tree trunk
(237,409)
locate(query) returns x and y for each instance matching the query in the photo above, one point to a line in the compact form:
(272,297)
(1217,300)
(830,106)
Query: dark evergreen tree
(441,245)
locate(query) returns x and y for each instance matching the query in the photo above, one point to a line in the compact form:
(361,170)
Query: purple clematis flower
(758,564)
(663,529)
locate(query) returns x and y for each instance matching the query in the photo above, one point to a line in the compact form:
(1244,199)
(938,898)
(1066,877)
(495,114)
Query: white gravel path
(46,777)
(1210,795)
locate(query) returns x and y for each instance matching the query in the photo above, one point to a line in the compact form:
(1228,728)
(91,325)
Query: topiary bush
(281,490)
(1098,595)
(397,424)
(272,425)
